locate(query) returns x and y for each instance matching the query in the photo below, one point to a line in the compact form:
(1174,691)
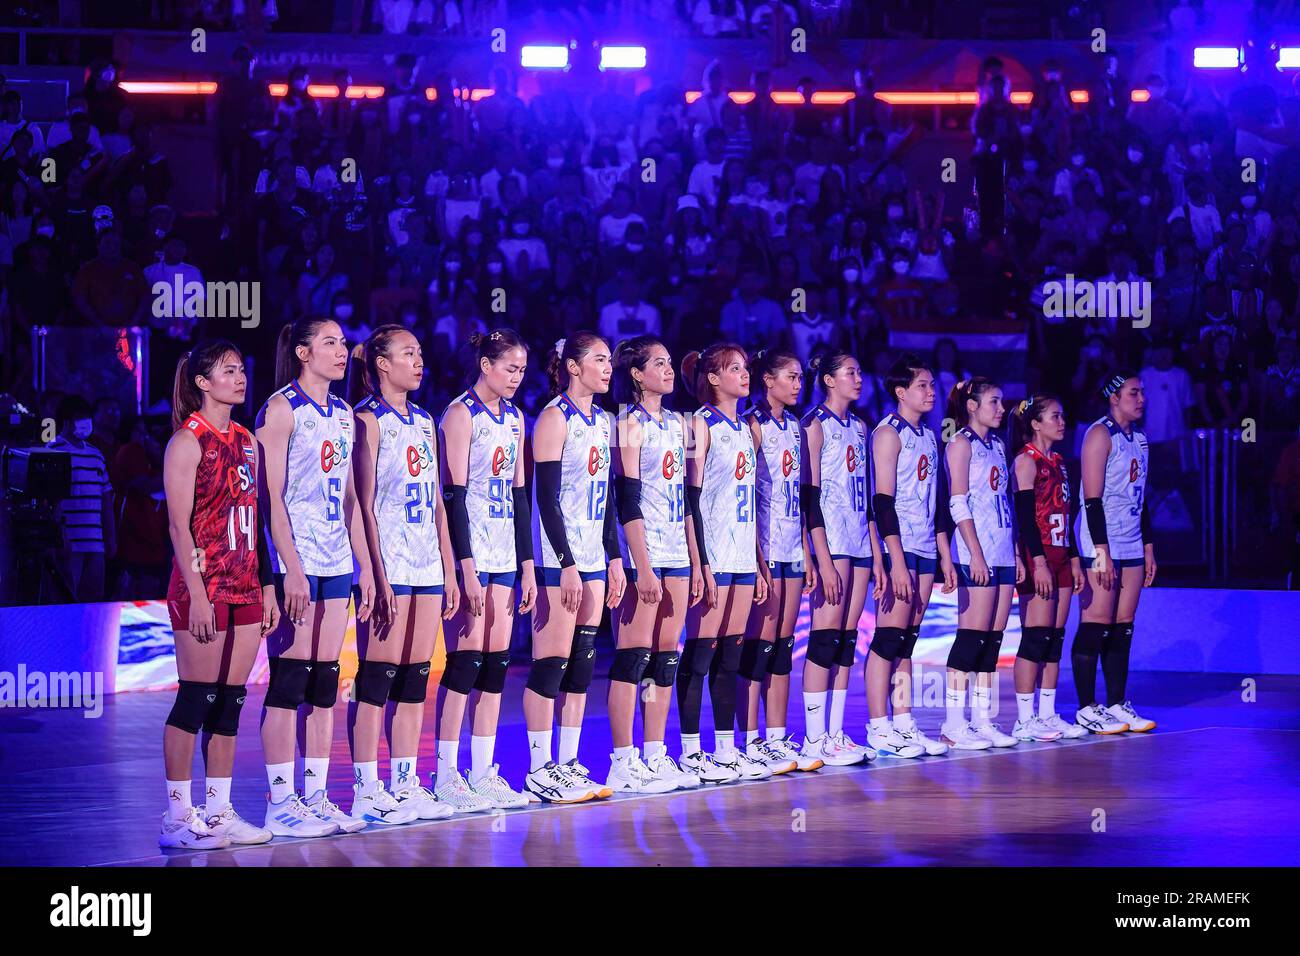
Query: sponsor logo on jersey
(418,459)
(851,458)
(498,461)
(995,477)
(597,459)
(239,479)
(744,464)
(789,461)
(210,454)
(923,468)
(672,465)
(1132,470)
(331,455)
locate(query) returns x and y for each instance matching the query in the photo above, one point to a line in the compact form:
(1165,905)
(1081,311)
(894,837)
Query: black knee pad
(1035,644)
(1090,638)
(1055,645)
(824,647)
(629,665)
(783,657)
(545,676)
(730,650)
(848,648)
(492,675)
(287,688)
(323,688)
(909,642)
(411,684)
(462,671)
(965,651)
(223,717)
(887,642)
(582,661)
(663,668)
(374,682)
(697,656)
(755,658)
(987,662)
(194,702)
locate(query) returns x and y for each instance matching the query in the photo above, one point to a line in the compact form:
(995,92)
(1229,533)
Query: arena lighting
(1140,96)
(622,58)
(461,92)
(1288,58)
(544,57)
(1216,57)
(363,92)
(169,87)
(1078,96)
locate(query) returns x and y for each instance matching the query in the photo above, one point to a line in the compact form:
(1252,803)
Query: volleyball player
(582,568)
(662,566)
(836,495)
(220,597)
(720,486)
(904,459)
(1118,555)
(406,528)
(490,520)
(1049,565)
(980,507)
(307,437)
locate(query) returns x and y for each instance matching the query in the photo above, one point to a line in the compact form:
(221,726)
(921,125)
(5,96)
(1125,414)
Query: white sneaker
(825,749)
(190,833)
(552,785)
(893,744)
(630,775)
(320,804)
(456,793)
(1126,714)
(932,748)
(372,803)
(706,769)
(1035,728)
(1098,720)
(746,768)
(994,735)
(427,806)
(787,748)
(662,765)
(293,818)
(771,756)
(493,788)
(844,742)
(964,738)
(582,776)
(1067,731)
(235,828)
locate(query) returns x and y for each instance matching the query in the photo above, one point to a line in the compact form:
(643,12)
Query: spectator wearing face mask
(1258,223)
(524,252)
(629,315)
(1156,117)
(86,514)
(355,327)
(900,299)
(1169,395)
(1199,210)
(1077,172)
(613,225)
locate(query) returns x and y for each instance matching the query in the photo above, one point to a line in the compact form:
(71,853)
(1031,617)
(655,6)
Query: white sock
(280,778)
(690,744)
(954,704)
(905,722)
(724,741)
(539,749)
(751,736)
(775,733)
(814,714)
(217,794)
(878,725)
(178,799)
(481,751)
(401,771)
(979,704)
(448,751)
(1047,702)
(315,774)
(838,698)
(1025,705)
(569,743)
(654,748)
(366,770)
(622,753)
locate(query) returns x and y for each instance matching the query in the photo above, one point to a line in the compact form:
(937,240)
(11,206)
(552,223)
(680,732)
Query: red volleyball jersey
(1051,505)
(224,522)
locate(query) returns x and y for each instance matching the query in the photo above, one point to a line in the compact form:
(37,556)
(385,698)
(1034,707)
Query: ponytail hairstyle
(187,397)
(971,389)
(903,373)
(300,332)
(631,353)
(491,346)
(566,350)
(827,361)
(768,362)
(1024,414)
(697,366)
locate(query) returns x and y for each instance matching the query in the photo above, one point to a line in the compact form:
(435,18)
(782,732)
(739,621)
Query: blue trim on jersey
(898,423)
(551,576)
(471,399)
(972,437)
(762,415)
(410,410)
(329,400)
(663,425)
(567,403)
(845,422)
(709,407)
(998,576)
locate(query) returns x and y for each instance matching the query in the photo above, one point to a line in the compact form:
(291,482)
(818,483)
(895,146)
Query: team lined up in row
(719,522)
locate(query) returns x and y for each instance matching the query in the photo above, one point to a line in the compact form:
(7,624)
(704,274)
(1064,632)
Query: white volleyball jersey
(777,479)
(317,473)
(729,496)
(406,494)
(1122,495)
(663,488)
(990,503)
(584,485)
(494,446)
(914,485)
(845,487)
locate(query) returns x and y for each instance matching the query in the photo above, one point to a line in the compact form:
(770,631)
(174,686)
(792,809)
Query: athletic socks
(539,749)
(315,774)
(724,741)
(1046,702)
(690,744)
(401,769)
(366,770)
(878,725)
(654,748)
(622,753)
(814,714)
(905,723)
(447,754)
(569,743)
(217,795)
(751,737)
(835,722)
(178,799)
(1025,706)
(954,706)
(979,703)
(279,776)
(481,750)
(775,733)
(1114,661)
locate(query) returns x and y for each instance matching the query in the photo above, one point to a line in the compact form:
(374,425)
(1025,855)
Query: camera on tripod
(35,479)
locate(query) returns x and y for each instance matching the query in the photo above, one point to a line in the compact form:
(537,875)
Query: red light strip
(169,87)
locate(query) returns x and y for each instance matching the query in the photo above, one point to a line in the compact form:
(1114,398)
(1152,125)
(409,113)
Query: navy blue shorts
(660,573)
(785,569)
(861,562)
(551,576)
(997,577)
(323,588)
(725,579)
(400,590)
(1118,562)
(505,579)
(915,562)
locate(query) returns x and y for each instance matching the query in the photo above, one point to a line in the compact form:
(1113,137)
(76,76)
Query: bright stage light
(622,58)
(1288,58)
(1216,57)
(544,57)
(169,87)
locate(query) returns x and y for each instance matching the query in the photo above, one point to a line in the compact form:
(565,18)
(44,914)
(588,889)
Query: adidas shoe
(320,804)
(427,806)
(1126,714)
(456,793)
(891,743)
(662,765)
(964,738)
(372,803)
(552,785)
(293,818)
(630,775)
(1098,720)
(706,769)
(190,833)
(772,757)
(235,828)
(493,788)
(1035,728)
(994,735)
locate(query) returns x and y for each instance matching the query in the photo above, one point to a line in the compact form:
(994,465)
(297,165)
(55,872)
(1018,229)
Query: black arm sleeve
(810,500)
(1147,534)
(547,474)
(697,519)
(458,521)
(1028,523)
(886,516)
(629,498)
(1071,546)
(265,576)
(609,534)
(1096,517)
(523,524)
(943,522)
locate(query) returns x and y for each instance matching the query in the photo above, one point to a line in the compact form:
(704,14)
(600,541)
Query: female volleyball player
(406,528)
(904,459)
(490,518)
(582,568)
(980,508)
(307,437)
(720,486)
(220,599)
(1118,555)
(1049,569)
(662,566)
(835,494)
